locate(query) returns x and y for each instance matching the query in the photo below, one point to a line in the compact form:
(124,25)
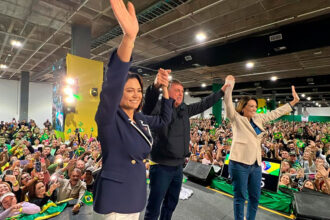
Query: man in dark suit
(171,146)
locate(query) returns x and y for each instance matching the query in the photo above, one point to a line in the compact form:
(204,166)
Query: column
(24,96)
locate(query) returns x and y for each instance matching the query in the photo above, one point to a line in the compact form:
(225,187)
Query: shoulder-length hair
(139,79)
(243,102)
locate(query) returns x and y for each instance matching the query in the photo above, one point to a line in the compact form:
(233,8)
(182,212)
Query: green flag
(49,210)
(44,137)
(87,198)
(278,135)
(212,131)
(300,143)
(324,140)
(229,141)
(80,151)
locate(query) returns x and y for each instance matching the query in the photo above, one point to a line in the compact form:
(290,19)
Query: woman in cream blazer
(245,153)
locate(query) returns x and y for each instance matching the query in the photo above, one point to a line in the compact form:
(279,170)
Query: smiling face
(250,109)
(285,179)
(176,93)
(40,189)
(309,185)
(132,95)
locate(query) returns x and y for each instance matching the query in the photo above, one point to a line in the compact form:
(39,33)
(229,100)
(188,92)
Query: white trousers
(116,216)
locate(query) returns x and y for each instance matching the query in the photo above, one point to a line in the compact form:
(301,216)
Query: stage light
(309,98)
(303,95)
(16,43)
(273,78)
(203,85)
(3,66)
(200,37)
(70,81)
(68,91)
(249,65)
(69,99)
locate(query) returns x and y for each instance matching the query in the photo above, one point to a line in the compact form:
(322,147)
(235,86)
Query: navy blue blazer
(121,185)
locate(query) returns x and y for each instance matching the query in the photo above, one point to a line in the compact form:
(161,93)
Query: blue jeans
(165,186)
(246,180)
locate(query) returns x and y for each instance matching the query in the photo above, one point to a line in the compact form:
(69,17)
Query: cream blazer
(246,144)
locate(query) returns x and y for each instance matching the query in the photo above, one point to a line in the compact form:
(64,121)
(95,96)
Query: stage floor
(204,204)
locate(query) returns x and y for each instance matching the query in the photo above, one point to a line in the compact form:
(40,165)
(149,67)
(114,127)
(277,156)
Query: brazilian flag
(87,198)
(300,143)
(278,135)
(324,140)
(80,151)
(49,210)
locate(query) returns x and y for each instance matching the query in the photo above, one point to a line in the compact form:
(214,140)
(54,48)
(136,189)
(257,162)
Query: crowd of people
(302,147)
(36,166)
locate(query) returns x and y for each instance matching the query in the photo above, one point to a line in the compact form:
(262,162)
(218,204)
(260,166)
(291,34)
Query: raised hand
(230,80)
(126,18)
(295,96)
(162,78)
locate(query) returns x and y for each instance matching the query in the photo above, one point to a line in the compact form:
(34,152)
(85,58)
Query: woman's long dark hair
(139,79)
(243,102)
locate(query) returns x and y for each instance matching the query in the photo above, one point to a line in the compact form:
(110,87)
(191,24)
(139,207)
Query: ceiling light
(188,58)
(9,55)
(200,37)
(309,98)
(236,100)
(186,93)
(268,99)
(303,95)
(249,65)
(203,85)
(16,43)
(170,77)
(317,103)
(279,102)
(3,66)
(273,78)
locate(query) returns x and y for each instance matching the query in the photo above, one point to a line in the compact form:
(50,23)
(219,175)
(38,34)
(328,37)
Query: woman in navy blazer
(124,134)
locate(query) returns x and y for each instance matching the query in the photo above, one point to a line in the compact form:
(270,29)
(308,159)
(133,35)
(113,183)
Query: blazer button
(133,162)
(144,161)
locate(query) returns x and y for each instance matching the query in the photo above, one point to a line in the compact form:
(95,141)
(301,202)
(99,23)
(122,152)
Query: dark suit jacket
(121,185)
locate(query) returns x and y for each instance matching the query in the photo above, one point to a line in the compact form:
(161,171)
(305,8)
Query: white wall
(318,111)
(40,101)
(8,99)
